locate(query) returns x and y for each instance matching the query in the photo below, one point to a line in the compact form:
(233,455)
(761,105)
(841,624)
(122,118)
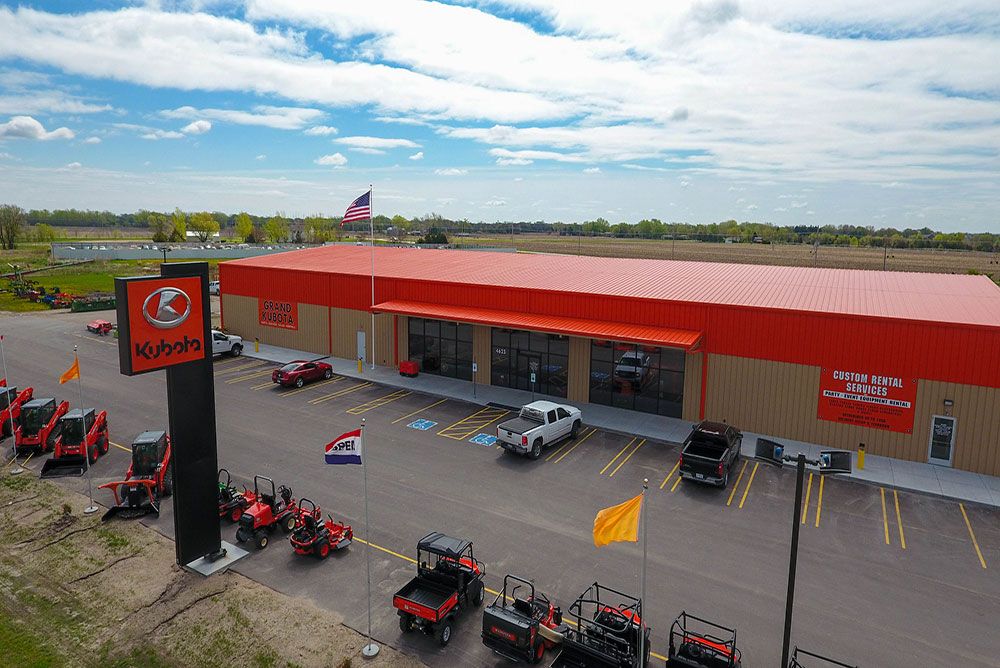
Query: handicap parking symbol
(422,425)
(483,439)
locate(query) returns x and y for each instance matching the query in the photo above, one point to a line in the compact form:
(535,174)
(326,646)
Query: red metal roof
(942,298)
(658,336)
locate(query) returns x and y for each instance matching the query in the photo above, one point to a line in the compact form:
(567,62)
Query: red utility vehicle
(703,644)
(39,426)
(314,536)
(149,478)
(83,436)
(300,372)
(518,631)
(607,631)
(232,502)
(449,579)
(10,407)
(266,512)
(101,327)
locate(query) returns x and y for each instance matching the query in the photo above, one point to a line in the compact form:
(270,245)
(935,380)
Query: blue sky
(765,110)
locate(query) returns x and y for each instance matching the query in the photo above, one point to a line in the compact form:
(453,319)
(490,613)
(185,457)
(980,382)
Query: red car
(102,327)
(300,372)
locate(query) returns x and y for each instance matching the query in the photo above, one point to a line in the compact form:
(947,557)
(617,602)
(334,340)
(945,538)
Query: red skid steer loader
(10,407)
(83,436)
(148,479)
(40,425)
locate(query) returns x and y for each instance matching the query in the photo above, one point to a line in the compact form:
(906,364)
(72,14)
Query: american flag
(360,209)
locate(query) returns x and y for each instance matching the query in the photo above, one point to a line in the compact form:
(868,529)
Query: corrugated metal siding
(311,336)
(481,353)
(403,331)
(578,382)
(304,287)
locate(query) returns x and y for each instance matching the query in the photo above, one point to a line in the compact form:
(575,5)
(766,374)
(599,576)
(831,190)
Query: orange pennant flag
(72,372)
(618,523)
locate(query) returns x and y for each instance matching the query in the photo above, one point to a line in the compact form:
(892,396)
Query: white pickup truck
(223,343)
(538,425)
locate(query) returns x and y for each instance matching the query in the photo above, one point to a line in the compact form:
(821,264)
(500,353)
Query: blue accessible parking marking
(483,439)
(422,425)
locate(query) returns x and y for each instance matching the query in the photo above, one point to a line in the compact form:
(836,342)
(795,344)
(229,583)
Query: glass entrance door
(942,440)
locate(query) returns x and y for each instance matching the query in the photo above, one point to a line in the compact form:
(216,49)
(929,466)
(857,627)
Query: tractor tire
(536,449)
(236,350)
(92,454)
(538,653)
(299,382)
(260,539)
(575,431)
(443,633)
(168,481)
(235,514)
(328,374)
(321,550)
(406,623)
(288,524)
(103,443)
(477,594)
(241,537)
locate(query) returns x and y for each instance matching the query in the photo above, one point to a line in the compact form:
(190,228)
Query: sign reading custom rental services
(867,399)
(161,322)
(274,313)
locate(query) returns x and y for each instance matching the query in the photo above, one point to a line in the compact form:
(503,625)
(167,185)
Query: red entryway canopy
(596,329)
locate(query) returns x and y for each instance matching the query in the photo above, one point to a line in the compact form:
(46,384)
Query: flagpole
(642,595)
(92,508)
(371,222)
(371,649)
(17,470)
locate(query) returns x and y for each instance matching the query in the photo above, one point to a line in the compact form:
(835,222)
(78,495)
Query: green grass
(22,647)
(8,302)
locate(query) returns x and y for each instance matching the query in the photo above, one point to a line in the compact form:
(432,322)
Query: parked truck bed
(519,425)
(425,596)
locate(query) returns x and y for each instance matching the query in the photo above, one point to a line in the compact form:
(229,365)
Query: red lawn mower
(232,502)
(39,425)
(148,479)
(83,436)
(267,511)
(314,536)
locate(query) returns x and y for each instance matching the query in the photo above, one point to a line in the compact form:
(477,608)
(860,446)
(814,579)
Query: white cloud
(6,156)
(48,102)
(197,127)
(451,171)
(533,155)
(334,160)
(368,151)
(376,142)
(508,162)
(26,127)
(92,140)
(261,156)
(281,118)
(419,155)
(496,201)
(74,165)
(321,131)
(592,170)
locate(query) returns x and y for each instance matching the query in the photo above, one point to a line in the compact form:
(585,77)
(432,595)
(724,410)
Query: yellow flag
(618,523)
(72,372)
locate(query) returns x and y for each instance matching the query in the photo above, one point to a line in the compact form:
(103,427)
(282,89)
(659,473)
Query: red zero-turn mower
(83,434)
(39,425)
(314,536)
(232,502)
(266,512)
(10,407)
(148,479)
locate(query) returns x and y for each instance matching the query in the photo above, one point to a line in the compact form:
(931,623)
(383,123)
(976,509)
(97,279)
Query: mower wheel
(406,623)
(299,382)
(477,594)
(443,633)
(241,536)
(235,514)
(538,653)
(168,480)
(260,539)
(288,523)
(536,449)
(321,550)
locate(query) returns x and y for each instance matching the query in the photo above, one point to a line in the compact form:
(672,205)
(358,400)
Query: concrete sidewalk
(907,475)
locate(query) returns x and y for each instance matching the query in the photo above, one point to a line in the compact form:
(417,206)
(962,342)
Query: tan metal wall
(578,383)
(345,324)
(402,326)
(311,336)
(482,344)
(781,399)
(692,386)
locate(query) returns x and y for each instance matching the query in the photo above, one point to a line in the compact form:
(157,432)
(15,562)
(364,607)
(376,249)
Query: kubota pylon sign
(164,324)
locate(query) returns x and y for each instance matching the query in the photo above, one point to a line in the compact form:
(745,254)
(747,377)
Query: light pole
(165,250)
(829,462)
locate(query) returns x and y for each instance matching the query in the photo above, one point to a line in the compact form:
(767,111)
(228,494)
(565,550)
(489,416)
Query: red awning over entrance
(595,329)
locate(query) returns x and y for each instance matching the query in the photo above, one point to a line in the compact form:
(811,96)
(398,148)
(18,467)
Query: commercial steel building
(906,363)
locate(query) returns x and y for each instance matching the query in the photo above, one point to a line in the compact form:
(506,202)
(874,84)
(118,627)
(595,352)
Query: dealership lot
(885,578)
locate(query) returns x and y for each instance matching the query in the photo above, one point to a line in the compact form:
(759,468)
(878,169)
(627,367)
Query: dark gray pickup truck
(710,452)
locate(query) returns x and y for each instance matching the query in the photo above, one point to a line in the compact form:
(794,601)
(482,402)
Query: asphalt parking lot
(885,578)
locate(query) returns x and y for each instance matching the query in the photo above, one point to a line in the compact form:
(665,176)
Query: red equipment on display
(83,435)
(266,512)
(149,478)
(314,536)
(39,425)
(10,407)
(232,502)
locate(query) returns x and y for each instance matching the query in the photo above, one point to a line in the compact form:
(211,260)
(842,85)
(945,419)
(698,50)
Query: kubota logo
(166,308)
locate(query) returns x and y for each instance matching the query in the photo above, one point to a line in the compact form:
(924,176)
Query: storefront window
(642,378)
(516,355)
(441,348)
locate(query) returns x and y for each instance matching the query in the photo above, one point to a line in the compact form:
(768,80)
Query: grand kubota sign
(164,323)
(867,399)
(281,314)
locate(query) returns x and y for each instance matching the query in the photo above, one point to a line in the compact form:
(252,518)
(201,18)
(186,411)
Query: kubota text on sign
(274,313)
(867,399)
(164,325)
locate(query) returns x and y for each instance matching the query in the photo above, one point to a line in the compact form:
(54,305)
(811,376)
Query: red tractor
(314,536)
(10,407)
(232,502)
(267,511)
(148,479)
(83,436)
(39,426)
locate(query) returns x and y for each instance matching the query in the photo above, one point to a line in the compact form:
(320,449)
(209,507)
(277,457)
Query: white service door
(362,353)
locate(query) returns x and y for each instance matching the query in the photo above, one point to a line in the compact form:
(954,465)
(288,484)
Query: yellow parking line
(420,410)
(120,447)
(899,521)
(972,535)
(676,465)
(478,420)
(885,518)
(729,502)
(627,457)
(255,374)
(263,385)
(676,482)
(819,499)
(575,446)
(378,403)
(615,458)
(805,506)
(24,464)
(335,379)
(749,482)
(242,367)
(340,393)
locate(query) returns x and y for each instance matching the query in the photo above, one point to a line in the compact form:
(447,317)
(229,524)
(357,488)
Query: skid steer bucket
(59,467)
(133,499)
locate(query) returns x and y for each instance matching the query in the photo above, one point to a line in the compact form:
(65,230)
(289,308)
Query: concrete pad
(205,567)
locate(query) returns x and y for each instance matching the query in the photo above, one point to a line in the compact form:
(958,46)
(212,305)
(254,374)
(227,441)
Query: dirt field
(942,261)
(76,592)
